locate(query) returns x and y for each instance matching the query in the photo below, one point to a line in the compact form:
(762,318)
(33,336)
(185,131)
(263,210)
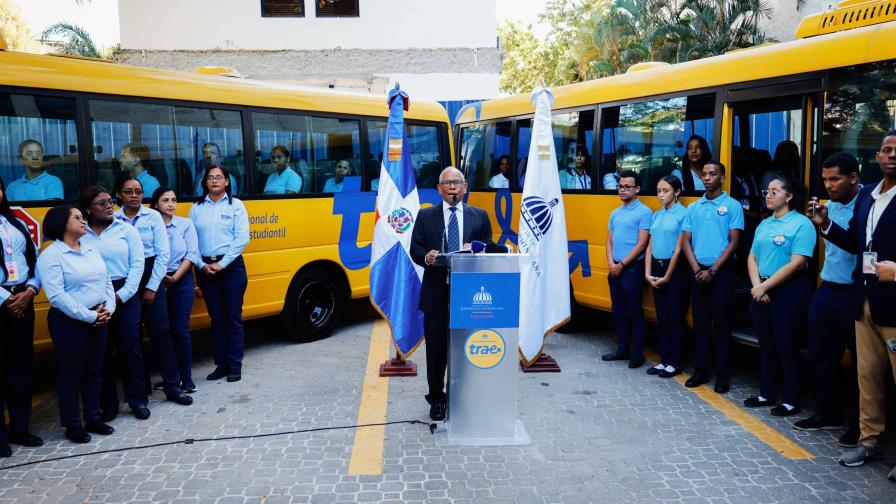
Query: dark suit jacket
(428,235)
(881,295)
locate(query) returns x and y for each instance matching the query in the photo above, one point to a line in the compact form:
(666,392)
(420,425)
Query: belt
(212,259)
(18,288)
(837,286)
(661,262)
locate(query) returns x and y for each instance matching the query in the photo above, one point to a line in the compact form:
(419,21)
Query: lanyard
(6,238)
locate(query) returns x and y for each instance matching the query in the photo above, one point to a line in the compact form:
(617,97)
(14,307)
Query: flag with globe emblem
(395,280)
(544,263)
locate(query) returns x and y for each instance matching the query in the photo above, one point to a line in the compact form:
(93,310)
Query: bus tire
(314,303)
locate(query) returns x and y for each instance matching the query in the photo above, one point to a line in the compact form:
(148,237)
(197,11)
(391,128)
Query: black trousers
(711,306)
(124,357)
(435,329)
(16,357)
(831,328)
(80,348)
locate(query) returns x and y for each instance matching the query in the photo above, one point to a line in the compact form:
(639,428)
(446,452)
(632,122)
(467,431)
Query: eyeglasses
(78,217)
(215,178)
(105,203)
(452,182)
(773,193)
(626,187)
(132,192)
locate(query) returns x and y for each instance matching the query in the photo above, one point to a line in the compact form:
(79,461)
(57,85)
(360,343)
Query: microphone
(493,248)
(477,246)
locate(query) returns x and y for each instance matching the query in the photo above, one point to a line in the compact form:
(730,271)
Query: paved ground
(600,433)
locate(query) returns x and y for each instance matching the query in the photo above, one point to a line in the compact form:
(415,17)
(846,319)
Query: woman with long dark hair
(82,302)
(696,155)
(778,261)
(184,244)
(17,290)
(222,224)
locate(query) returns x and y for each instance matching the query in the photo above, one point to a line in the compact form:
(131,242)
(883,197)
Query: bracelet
(32,289)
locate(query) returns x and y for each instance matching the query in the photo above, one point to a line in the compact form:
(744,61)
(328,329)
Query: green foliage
(597,38)
(14,30)
(75,39)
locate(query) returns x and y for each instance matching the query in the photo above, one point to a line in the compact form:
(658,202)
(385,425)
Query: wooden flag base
(398,367)
(544,364)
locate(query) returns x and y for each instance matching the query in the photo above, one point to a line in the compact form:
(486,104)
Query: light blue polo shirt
(839,264)
(625,224)
(41,187)
(149,183)
(709,221)
(279,183)
(664,231)
(777,239)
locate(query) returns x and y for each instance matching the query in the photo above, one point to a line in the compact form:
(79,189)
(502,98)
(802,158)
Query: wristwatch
(712,271)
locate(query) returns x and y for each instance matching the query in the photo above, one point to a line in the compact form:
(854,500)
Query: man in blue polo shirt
(36,184)
(710,234)
(133,159)
(629,229)
(831,327)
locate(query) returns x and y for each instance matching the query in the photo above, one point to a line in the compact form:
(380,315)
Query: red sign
(31,222)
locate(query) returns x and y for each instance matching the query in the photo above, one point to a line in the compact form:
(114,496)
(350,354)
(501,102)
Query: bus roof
(76,74)
(845,48)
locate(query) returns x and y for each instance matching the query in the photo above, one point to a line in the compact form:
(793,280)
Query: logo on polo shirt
(723,210)
(779,240)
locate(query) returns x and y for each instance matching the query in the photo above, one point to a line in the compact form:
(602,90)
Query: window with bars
(282,8)
(337,8)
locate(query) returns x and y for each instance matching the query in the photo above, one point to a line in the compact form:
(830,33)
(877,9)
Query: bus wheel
(313,305)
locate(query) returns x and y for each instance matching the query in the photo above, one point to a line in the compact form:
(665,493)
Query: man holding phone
(869,235)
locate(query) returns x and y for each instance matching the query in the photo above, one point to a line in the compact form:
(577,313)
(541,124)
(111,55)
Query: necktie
(453,243)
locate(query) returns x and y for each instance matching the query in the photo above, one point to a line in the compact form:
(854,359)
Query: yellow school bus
(772,108)
(309,251)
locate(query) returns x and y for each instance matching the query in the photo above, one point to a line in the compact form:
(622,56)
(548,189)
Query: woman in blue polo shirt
(179,280)
(667,275)
(783,244)
(222,224)
(122,252)
(283,180)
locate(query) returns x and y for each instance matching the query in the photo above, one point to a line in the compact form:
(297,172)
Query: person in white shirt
(500,179)
(579,177)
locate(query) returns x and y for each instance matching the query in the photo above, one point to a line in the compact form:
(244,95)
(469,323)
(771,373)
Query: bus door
(771,130)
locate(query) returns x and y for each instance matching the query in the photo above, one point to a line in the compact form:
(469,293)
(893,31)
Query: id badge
(868,260)
(891,345)
(13,271)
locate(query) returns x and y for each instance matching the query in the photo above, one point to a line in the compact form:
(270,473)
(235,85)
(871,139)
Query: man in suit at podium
(446,227)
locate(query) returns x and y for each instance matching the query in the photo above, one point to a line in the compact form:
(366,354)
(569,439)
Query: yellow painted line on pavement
(764,432)
(367,452)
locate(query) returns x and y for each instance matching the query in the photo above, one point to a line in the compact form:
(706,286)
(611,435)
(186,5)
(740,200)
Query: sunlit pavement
(600,433)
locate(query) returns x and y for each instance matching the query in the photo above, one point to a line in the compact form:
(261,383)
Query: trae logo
(485,349)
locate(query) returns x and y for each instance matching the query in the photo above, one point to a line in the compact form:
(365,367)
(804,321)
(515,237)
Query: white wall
(785,18)
(447,86)
(237,24)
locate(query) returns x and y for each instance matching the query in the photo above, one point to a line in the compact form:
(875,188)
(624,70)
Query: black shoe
(723,385)
(635,362)
(781,410)
(755,402)
(25,439)
(99,428)
(653,371)
(140,412)
(234,377)
(217,374)
(669,374)
(188,387)
(437,411)
(5,450)
(817,422)
(159,385)
(850,438)
(77,435)
(107,417)
(698,378)
(182,398)
(613,356)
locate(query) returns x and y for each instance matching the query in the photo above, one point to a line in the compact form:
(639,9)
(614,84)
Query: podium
(483,352)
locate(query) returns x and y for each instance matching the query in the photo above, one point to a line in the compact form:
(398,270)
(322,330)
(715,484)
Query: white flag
(544,265)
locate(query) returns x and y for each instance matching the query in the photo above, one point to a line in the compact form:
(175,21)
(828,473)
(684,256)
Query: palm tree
(75,39)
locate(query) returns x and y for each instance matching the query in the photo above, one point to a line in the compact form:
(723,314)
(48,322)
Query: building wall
(237,24)
(785,18)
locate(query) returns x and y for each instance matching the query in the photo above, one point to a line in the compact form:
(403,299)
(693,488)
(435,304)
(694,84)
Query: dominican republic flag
(544,263)
(395,280)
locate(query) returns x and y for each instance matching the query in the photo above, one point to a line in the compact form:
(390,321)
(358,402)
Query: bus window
(38,148)
(335,153)
(423,142)
(860,107)
(483,148)
(164,145)
(283,152)
(573,133)
(523,140)
(651,138)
